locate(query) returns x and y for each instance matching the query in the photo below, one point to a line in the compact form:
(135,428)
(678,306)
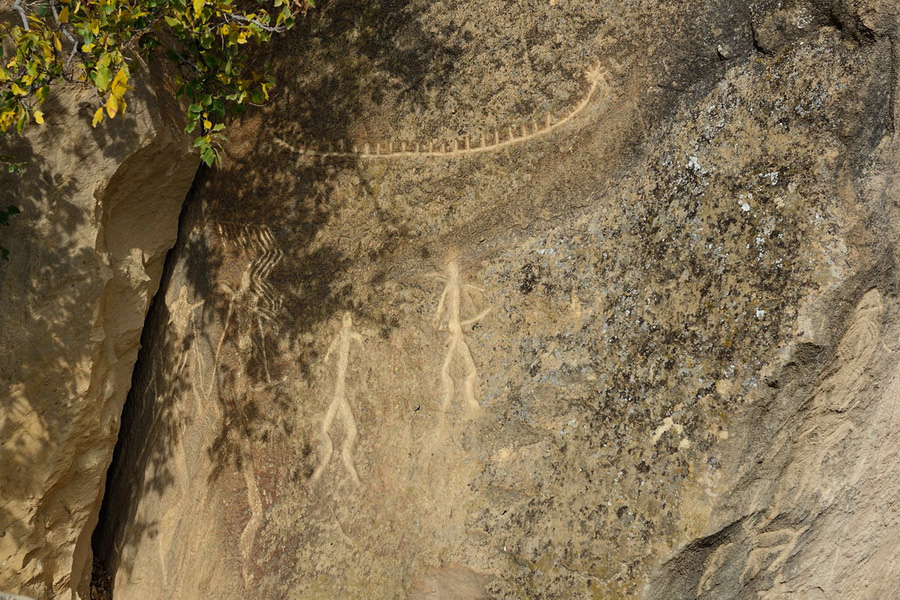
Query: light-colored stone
(99,211)
(651,352)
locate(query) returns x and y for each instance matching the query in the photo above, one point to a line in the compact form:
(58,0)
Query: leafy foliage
(5,214)
(98,43)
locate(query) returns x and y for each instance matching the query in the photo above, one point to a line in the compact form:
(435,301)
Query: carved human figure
(339,403)
(455,294)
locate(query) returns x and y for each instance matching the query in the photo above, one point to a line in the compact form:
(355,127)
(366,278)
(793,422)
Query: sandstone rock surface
(419,339)
(99,211)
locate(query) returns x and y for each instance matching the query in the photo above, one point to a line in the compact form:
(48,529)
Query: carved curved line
(254,501)
(258,240)
(596,76)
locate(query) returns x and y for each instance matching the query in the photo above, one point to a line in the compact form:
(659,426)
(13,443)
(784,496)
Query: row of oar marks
(464,144)
(485,142)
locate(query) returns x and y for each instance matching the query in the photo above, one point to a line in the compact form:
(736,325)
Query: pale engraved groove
(772,550)
(254,501)
(259,240)
(455,291)
(597,78)
(254,292)
(713,564)
(264,302)
(808,481)
(181,318)
(339,403)
(840,392)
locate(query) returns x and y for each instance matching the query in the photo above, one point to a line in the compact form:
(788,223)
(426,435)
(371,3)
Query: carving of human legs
(327,445)
(471,376)
(446,379)
(349,441)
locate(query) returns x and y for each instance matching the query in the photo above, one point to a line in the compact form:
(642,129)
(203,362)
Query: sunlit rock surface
(99,212)
(421,339)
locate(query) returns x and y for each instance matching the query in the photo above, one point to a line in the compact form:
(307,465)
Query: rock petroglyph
(493,141)
(181,313)
(258,241)
(339,403)
(856,349)
(811,479)
(254,501)
(248,296)
(771,551)
(457,293)
(713,564)
(181,318)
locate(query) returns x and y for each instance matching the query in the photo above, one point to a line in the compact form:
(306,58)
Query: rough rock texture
(647,348)
(99,211)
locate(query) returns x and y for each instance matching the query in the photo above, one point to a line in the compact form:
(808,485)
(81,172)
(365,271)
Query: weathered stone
(644,348)
(99,212)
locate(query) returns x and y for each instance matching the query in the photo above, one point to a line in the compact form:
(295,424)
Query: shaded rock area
(99,212)
(643,346)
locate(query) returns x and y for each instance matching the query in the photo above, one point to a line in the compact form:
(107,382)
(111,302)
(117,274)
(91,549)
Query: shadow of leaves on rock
(264,204)
(49,289)
(255,281)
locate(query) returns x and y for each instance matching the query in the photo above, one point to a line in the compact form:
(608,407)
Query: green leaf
(6,213)
(101,77)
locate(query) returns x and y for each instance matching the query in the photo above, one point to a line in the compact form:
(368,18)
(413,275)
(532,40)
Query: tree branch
(17,6)
(267,28)
(66,33)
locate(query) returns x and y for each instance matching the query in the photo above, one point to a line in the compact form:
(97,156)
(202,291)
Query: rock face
(421,340)
(99,212)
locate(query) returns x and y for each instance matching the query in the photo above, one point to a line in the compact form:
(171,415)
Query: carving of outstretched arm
(467,297)
(436,275)
(331,347)
(477,317)
(440,308)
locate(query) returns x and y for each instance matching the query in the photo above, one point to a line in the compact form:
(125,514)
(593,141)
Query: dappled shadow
(249,249)
(266,208)
(24,281)
(248,276)
(49,291)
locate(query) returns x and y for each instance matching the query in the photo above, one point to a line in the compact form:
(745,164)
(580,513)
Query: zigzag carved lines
(596,76)
(259,241)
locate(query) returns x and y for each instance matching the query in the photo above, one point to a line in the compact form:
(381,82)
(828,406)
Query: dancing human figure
(339,404)
(454,295)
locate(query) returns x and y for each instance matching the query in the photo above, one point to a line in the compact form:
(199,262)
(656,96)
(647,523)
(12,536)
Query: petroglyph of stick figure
(181,313)
(339,403)
(254,500)
(181,317)
(452,298)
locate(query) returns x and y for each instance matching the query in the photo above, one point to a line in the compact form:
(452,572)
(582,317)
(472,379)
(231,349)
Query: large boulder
(419,339)
(100,209)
